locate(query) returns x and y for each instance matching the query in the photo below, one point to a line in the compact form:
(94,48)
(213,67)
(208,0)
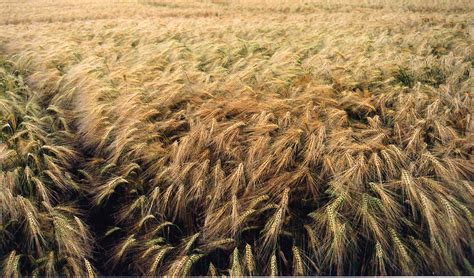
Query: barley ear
(298,267)
(236,269)
(212,272)
(90,270)
(249,260)
(273,266)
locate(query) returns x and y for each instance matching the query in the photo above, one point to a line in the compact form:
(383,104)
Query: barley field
(236,138)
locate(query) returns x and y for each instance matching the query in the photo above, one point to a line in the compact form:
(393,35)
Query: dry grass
(237,138)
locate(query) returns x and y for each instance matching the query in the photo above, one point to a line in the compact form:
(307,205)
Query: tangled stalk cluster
(256,148)
(42,232)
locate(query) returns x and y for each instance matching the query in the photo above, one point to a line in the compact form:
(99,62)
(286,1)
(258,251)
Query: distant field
(325,137)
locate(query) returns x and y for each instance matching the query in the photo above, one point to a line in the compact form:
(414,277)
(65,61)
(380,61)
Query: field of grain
(306,137)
